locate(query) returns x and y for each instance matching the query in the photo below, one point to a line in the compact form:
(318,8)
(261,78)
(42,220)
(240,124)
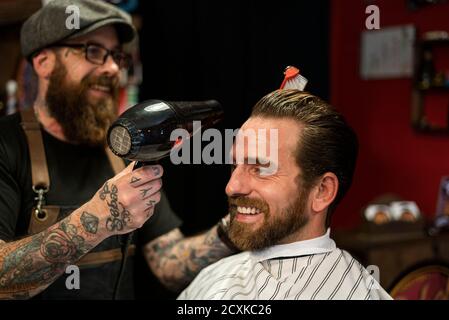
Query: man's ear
(44,63)
(324,192)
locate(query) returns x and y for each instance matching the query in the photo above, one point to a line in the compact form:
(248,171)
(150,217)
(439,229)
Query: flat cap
(54,22)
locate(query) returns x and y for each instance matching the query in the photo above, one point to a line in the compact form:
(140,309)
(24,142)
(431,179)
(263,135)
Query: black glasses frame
(122,59)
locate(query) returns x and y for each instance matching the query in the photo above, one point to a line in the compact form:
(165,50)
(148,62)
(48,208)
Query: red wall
(393,158)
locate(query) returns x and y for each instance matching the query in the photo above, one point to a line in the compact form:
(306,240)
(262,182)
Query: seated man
(280,218)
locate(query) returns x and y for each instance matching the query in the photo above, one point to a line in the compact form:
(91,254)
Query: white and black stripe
(342,279)
(311,277)
(325,273)
(331,271)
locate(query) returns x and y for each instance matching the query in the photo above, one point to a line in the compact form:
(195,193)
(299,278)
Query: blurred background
(383,63)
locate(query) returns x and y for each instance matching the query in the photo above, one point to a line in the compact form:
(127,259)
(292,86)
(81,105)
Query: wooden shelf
(419,120)
(393,252)
(433,131)
(435,42)
(434,89)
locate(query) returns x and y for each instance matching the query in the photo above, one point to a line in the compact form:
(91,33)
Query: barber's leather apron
(43,215)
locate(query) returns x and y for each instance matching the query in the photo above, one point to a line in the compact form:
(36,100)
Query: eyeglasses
(97,54)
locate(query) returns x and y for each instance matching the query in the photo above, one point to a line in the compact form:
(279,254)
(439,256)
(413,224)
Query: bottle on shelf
(427,74)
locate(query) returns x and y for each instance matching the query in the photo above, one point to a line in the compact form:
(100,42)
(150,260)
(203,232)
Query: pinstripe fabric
(307,270)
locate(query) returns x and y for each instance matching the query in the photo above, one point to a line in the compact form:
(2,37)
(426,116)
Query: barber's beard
(82,122)
(274,227)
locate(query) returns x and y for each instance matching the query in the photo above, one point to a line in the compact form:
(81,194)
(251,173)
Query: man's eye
(266,171)
(95,52)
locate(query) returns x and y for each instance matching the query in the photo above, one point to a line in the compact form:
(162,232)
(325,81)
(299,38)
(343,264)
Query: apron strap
(39,169)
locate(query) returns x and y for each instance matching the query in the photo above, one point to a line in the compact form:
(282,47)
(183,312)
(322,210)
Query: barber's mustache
(110,82)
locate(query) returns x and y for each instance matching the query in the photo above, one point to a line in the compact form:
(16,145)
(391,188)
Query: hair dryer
(143,132)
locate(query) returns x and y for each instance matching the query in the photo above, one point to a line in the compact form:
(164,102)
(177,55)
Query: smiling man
(93,85)
(53,158)
(281,219)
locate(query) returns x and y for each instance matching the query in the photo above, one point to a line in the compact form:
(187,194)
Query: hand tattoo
(134,179)
(156,171)
(145,191)
(150,205)
(120,216)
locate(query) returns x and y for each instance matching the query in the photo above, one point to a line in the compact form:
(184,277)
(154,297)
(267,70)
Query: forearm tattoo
(64,245)
(89,222)
(177,260)
(120,216)
(18,273)
(29,265)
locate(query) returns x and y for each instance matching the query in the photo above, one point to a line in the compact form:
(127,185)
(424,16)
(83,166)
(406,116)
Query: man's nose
(110,67)
(238,184)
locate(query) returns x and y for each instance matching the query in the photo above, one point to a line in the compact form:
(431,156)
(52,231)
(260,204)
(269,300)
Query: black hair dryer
(142,133)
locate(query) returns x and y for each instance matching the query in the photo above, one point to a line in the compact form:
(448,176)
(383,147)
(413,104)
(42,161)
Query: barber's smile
(100,91)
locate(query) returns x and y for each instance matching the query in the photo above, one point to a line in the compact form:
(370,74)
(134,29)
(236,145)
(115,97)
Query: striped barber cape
(306,270)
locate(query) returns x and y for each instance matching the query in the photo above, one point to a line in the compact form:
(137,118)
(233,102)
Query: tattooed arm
(30,265)
(176,260)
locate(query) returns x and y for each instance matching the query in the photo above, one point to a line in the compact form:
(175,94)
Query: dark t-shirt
(76,173)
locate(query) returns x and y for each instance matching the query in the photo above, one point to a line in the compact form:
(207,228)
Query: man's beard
(82,122)
(273,229)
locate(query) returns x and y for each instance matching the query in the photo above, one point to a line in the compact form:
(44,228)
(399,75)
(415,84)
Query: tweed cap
(49,25)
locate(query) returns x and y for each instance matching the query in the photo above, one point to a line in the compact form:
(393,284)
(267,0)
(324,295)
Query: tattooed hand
(123,204)
(127,201)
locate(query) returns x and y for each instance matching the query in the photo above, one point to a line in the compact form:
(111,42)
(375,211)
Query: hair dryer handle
(140,164)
